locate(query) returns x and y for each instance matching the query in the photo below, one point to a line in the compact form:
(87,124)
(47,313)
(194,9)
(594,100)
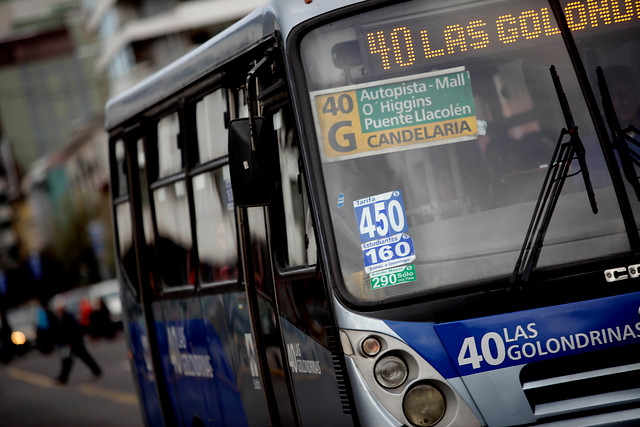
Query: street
(31,396)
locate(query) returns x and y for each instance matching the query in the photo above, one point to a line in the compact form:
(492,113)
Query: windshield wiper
(621,138)
(557,173)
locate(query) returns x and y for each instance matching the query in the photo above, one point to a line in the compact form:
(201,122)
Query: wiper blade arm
(575,140)
(557,173)
(621,138)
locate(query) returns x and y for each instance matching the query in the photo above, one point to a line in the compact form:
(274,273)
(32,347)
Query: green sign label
(416,102)
(393,276)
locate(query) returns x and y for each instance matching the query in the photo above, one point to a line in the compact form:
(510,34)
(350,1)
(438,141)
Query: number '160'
(385,253)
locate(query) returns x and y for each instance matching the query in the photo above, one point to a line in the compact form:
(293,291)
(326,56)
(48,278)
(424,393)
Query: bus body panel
(207,364)
(138,344)
(186,362)
(370,412)
(313,374)
(505,359)
(226,319)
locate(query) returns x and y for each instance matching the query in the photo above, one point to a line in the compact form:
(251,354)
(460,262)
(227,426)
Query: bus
(386,213)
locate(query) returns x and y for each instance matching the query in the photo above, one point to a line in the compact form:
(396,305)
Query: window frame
(128,138)
(319,194)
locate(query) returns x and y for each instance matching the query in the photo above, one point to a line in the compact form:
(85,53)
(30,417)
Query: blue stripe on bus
(423,339)
(500,341)
(144,373)
(213,395)
(202,379)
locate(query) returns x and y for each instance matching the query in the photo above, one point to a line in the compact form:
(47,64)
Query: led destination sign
(417,42)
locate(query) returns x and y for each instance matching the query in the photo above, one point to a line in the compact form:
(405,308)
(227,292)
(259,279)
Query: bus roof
(281,15)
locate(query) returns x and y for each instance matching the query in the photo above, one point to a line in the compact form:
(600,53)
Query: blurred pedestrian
(72,345)
(6,345)
(47,329)
(85,313)
(101,324)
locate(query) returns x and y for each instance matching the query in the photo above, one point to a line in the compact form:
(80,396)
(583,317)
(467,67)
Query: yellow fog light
(424,405)
(18,338)
(371,346)
(391,371)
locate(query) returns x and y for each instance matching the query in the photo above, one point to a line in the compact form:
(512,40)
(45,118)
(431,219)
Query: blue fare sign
(386,253)
(383,224)
(380,216)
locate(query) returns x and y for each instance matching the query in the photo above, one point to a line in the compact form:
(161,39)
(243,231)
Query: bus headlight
(423,405)
(391,371)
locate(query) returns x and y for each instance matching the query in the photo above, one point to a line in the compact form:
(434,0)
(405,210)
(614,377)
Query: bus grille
(597,382)
(338,366)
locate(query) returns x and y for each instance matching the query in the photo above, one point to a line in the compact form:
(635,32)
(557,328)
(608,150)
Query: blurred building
(138,37)
(50,95)
(47,80)
(60,60)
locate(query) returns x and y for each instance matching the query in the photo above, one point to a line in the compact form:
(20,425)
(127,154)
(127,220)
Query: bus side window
(173,245)
(211,125)
(301,246)
(126,250)
(212,196)
(174,262)
(120,186)
(215,226)
(146,209)
(171,157)
(122,212)
(145,205)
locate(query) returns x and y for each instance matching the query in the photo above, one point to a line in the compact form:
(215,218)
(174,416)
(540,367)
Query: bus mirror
(250,162)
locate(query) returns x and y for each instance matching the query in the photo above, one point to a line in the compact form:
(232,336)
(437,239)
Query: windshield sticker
(380,216)
(396,114)
(385,253)
(383,225)
(340,200)
(393,276)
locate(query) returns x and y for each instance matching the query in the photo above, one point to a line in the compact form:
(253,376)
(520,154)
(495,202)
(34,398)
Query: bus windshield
(436,122)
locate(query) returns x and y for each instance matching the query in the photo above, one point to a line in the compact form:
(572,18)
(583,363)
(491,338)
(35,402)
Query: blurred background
(60,60)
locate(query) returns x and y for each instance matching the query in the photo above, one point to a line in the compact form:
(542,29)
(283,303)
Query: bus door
(314,361)
(268,342)
(292,319)
(265,346)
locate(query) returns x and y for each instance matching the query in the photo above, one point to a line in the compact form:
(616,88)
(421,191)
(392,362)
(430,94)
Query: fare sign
(383,232)
(395,114)
(393,276)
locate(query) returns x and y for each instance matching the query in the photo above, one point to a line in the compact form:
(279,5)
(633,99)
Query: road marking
(116,396)
(87,389)
(31,378)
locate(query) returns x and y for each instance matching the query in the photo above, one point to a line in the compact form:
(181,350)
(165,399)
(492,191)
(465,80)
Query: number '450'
(382,219)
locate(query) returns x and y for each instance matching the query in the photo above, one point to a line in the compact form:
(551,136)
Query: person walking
(101,325)
(72,345)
